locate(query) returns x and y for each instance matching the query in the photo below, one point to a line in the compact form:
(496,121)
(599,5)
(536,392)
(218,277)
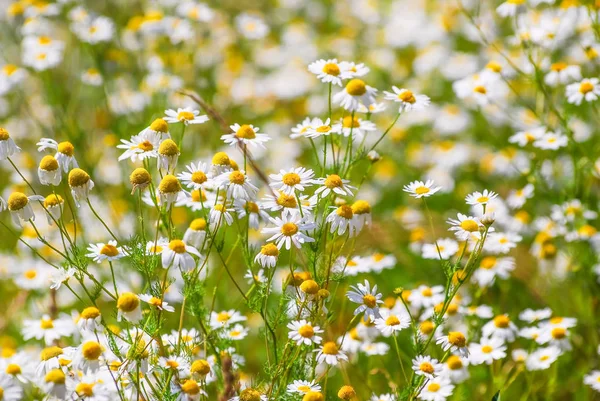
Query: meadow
(299,200)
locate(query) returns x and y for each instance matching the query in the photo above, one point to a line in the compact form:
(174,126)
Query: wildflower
(251,27)
(20,208)
(156,302)
(9,389)
(426,297)
(303,332)
(47,329)
(333,183)
(54,383)
(168,153)
(407,99)
(356,92)
(328,71)
(81,184)
(288,231)
(313,396)
(128,305)
(196,176)
(487,350)
(444,249)
(195,233)
(65,152)
(89,319)
(251,209)
(7,145)
(420,189)
(186,115)
(490,267)
(542,358)
(592,379)
(357,127)
(455,369)
(108,251)
(140,147)
(292,181)
(49,171)
(367,297)
(303,387)
(588,90)
(237,184)
(139,178)
(562,73)
(92,77)
(551,141)
(221,163)
(168,190)
(87,355)
(219,215)
(390,323)
(237,332)
(318,128)
(245,135)
(500,327)
(330,354)
(268,255)
(179,255)
(464,226)
(225,318)
(455,341)
(510,7)
(437,389)
(342,219)
(523,138)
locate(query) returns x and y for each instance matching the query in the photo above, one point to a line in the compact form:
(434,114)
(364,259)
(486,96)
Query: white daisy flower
(236,333)
(551,141)
(140,147)
(355,93)
(588,90)
(179,255)
(355,126)
(561,73)
(89,319)
(7,145)
(225,318)
(408,100)
(330,354)
(329,71)
(128,306)
(464,226)
(420,189)
(246,135)
(219,215)
(156,302)
(367,297)
(303,386)
(288,230)
(455,341)
(500,327)
(237,184)
(49,171)
(64,152)
(424,365)
(341,219)
(186,115)
(444,248)
(437,389)
(390,322)
(268,255)
(303,332)
(333,183)
(487,351)
(105,251)
(292,181)
(197,176)
(20,207)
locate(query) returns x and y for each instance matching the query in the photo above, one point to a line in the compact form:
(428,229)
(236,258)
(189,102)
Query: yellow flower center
(185,116)
(109,250)
(198,224)
(66,148)
(289,229)
(454,362)
(4,134)
(50,352)
(494,66)
(488,262)
(78,178)
(85,389)
(177,246)
(433,388)
(55,376)
(304,388)
(501,321)
(349,122)
(49,163)
(345,211)
(483,199)
(426,367)
(128,302)
(370,300)
(190,387)
(159,125)
(361,207)
(356,87)
(291,179)
(269,250)
(249,394)
(169,184)
(426,327)
(427,292)
(330,348)
(12,369)
(46,324)
(586,87)
(559,333)
(221,159)
(331,69)
(486,349)
(333,181)
(237,178)
(407,97)
(9,69)
(245,132)
(306,331)
(91,350)
(421,190)
(168,147)
(480,89)
(172,364)
(457,339)
(146,146)
(392,320)
(558,66)
(140,176)
(90,313)
(198,177)
(310,287)
(323,128)
(288,201)
(17,201)
(200,367)
(469,225)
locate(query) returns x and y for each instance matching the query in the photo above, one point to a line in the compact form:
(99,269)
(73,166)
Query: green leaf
(496,396)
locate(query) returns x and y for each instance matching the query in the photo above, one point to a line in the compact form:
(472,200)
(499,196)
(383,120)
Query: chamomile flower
(303,386)
(246,135)
(89,319)
(455,368)
(47,329)
(542,358)
(81,184)
(268,255)
(65,152)
(197,176)
(179,255)
(561,73)
(186,115)
(156,302)
(383,397)
(333,183)
(463,226)
(328,71)
(368,299)
(168,154)
(517,198)
(302,129)
(87,356)
(251,209)
(510,7)
(140,147)
(437,389)
(426,297)
(287,230)
(7,145)
(551,141)
(105,251)
(330,354)
(320,128)
(487,351)
(500,327)
(20,207)
(292,181)
(92,77)
(219,216)
(225,318)
(9,389)
(390,322)
(443,248)
(49,171)
(490,267)
(455,341)
(128,306)
(169,190)
(588,90)
(480,198)
(303,332)
(420,189)
(250,394)
(357,127)
(424,365)
(529,136)
(237,185)
(408,100)
(530,315)
(251,26)
(195,234)
(236,333)
(592,379)
(355,93)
